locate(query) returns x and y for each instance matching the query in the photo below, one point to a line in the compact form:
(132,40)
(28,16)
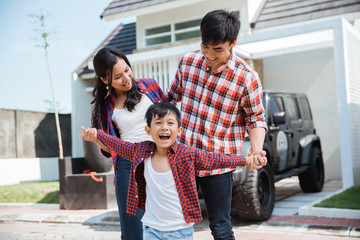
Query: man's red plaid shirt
(217,107)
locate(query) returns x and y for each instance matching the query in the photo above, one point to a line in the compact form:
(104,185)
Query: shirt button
(136,196)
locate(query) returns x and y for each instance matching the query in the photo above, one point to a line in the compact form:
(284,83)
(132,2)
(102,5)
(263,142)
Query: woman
(118,109)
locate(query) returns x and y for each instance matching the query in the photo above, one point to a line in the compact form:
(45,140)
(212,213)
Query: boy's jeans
(152,234)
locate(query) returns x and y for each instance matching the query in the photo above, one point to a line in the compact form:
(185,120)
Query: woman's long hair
(104,61)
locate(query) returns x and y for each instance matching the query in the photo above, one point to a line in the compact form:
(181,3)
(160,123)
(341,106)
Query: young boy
(162,179)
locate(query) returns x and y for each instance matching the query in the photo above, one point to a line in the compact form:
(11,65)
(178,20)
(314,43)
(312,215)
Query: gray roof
(280,12)
(119,6)
(123,37)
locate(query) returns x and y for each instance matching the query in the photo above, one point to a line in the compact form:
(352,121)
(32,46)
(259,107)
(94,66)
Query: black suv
(292,148)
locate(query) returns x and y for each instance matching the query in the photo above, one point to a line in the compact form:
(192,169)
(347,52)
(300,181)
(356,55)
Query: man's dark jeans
(217,190)
(131,226)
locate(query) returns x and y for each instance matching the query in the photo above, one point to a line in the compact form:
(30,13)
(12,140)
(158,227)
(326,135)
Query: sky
(24,79)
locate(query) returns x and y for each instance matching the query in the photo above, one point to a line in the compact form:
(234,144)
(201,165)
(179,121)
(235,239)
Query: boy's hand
(90,134)
(255,162)
(262,160)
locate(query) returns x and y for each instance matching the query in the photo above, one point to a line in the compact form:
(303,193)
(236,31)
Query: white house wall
(32,169)
(253,8)
(195,11)
(81,113)
(353,72)
(348,41)
(312,73)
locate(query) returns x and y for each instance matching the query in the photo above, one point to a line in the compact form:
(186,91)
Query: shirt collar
(174,147)
(230,63)
(152,146)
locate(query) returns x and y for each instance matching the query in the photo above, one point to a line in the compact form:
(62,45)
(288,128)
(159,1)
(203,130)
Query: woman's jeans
(131,226)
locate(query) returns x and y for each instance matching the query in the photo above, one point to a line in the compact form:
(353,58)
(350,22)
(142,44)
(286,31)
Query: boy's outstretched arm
(210,160)
(123,148)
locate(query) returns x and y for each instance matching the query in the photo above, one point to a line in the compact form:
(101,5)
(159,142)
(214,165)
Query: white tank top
(162,207)
(131,125)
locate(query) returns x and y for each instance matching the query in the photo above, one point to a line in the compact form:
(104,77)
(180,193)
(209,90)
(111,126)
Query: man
(220,99)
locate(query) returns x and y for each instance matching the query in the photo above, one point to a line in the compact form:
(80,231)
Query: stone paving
(26,221)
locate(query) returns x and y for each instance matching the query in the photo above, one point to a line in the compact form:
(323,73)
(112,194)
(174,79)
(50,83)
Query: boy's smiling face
(164,131)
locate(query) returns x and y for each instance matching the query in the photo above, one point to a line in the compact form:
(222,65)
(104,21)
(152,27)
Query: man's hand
(90,134)
(255,162)
(262,153)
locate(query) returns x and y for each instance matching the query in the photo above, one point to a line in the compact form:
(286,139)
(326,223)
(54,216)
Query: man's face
(217,55)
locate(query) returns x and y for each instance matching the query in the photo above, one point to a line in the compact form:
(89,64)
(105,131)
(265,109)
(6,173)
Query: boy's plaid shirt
(217,108)
(183,160)
(147,86)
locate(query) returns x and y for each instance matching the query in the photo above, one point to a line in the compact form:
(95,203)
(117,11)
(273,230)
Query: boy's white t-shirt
(131,125)
(162,207)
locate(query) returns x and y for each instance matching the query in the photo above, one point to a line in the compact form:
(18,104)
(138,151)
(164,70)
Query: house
(310,46)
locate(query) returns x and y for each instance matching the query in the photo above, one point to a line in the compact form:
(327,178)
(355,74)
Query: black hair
(219,26)
(161,110)
(104,61)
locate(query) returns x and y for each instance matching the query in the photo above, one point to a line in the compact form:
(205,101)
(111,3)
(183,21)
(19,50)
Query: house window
(172,32)
(158,35)
(187,30)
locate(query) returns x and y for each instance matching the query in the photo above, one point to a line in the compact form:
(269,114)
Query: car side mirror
(279,118)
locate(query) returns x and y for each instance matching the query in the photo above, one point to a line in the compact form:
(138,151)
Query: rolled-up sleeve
(174,92)
(252,103)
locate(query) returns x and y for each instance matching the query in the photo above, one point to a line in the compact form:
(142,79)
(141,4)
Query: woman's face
(122,76)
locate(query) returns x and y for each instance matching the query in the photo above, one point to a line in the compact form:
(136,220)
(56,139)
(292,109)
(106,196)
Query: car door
(293,128)
(277,137)
(306,116)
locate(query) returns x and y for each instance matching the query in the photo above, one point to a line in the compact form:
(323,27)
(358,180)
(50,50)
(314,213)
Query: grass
(32,192)
(48,192)
(349,199)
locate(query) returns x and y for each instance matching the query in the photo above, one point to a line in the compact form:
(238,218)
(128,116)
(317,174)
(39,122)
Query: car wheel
(254,199)
(312,180)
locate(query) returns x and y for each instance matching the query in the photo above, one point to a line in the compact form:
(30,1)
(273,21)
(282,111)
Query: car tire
(312,180)
(254,199)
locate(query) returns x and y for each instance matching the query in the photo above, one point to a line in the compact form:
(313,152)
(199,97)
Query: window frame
(307,106)
(172,33)
(289,109)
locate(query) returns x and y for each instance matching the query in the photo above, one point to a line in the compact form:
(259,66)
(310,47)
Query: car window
(292,108)
(276,104)
(305,108)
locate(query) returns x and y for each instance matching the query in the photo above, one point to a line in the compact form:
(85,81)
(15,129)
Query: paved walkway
(46,221)
(44,231)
